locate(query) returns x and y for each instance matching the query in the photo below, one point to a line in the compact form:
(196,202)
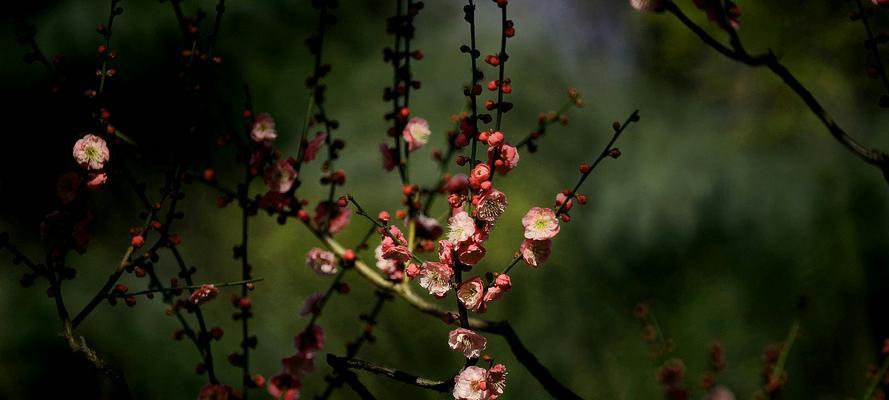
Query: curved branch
(341,363)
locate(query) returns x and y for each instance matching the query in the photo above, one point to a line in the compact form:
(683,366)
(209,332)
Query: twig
(398,375)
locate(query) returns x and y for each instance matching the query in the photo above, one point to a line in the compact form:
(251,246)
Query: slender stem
(220,9)
(875,381)
(503,58)
(392,373)
(874,45)
(189,287)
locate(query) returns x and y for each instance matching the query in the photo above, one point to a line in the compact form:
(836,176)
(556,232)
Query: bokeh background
(730,202)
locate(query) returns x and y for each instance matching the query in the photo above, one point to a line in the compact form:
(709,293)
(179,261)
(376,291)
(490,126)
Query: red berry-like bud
(342,201)
(209,175)
(216,332)
(492,85)
(584,168)
(120,288)
(384,216)
(461,160)
(401,214)
(566,218)
(102,48)
(302,215)
(615,153)
(404,112)
(343,288)
(349,256)
(493,60)
(507,89)
(581,198)
(137,241)
(131,301)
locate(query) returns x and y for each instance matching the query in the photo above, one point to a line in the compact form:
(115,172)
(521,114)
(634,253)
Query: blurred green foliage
(729,204)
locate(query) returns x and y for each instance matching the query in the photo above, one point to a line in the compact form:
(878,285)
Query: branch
(870,156)
(341,363)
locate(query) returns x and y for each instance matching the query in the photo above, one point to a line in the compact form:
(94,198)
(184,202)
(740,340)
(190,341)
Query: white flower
(436,277)
(91,152)
(471,384)
(460,227)
(467,342)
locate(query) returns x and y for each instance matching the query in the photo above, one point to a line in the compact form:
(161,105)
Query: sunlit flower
(460,227)
(263,128)
(467,342)
(416,133)
(535,252)
(322,262)
(471,384)
(540,224)
(436,278)
(204,294)
(91,152)
(279,176)
(508,159)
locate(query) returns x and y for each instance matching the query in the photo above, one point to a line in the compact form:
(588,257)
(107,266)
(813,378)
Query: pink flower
(647,5)
(446,252)
(263,129)
(508,158)
(436,277)
(540,224)
(416,133)
(91,152)
(457,184)
(280,176)
(215,392)
(535,252)
(310,340)
(299,364)
(497,380)
(460,227)
(338,216)
(492,294)
(322,262)
(96,179)
(504,282)
(389,157)
(204,294)
(721,392)
(394,245)
(470,252)
(392,268)
(479,174)
(467,342)
(428,227)
(313,146)
(284,387)
(310,305)
(471,384)
(274,201)
(560,200)
(471,293)
(412,270)
(491,206)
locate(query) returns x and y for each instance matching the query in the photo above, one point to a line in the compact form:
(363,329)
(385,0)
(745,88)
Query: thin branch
(190,287)
(392,373)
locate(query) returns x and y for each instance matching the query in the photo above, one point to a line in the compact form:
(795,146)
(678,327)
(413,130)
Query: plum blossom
(721,392)
(416,133)
(471,384)
(507,160)
(263,129)
(96,179)
(330,213)
(436,277)
(310,305)
(313,146)
(322,262)
(467,342)
(91,152)
(446,252)
(535,252)
(299,364)
(460,227)
(496,380)
(204,294)
(471,293)
(216,392)
(310,340)
(647,5)
(394,245)
(470,252)
(392,268)
(279,176)
(491,205)
(540,224)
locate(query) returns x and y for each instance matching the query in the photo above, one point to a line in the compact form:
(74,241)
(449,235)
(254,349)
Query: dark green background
(730,201)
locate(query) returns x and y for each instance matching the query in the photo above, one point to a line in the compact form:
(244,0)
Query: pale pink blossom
(96,179)
(310,340)
(392,268)
(263,128)
(91,152)
(204,294)
(540,224)
(313,146)
(491,205)
(471,384)
(721,392)
(389,157)
(279,176)
(471,293)
(310,305)
(394,245)
(322,262)
(496,380)
(436,278)
(460,227)
(335,217)
(446,252)
(470,252)
(416,133)
(508,158)
(560,202)
(467,342)
(535,252)
(647,5)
